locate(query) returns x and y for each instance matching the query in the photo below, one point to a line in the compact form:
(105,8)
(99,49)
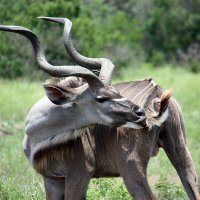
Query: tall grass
(19,181)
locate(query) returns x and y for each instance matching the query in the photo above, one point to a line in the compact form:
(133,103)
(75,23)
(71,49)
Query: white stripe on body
(142,99)
(154,84)
(140,92)
(121,91)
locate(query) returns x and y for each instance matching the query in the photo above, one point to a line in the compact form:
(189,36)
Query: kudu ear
(56,95)
(160,104)
(165,100)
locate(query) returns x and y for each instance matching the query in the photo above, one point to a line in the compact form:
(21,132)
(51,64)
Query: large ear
(165,100)
(160,104)
(56,94)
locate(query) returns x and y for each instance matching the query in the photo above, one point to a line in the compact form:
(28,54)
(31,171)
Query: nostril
(140,112)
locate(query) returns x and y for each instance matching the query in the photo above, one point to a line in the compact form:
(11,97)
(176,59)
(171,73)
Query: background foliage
(129,32)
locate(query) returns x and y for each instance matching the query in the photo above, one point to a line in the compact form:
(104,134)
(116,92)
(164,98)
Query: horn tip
(43,17)
(52,19)
(60,20)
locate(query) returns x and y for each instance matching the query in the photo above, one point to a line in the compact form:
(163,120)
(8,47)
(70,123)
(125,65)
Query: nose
(139,112)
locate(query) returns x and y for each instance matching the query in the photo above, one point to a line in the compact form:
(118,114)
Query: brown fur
(58,152)
(45,157)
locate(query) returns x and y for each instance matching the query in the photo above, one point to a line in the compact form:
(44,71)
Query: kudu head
(96,100)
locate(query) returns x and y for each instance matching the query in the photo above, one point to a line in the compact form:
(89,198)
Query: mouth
(129,122)
(138,124)
(140,120)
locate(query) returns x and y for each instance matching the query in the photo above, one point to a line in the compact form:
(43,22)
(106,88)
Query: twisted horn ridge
(58,71)
(105,65)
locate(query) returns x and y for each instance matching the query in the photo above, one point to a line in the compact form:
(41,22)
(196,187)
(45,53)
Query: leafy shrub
(157,58)
(191,58)
(166,190)
(158,28)
(107,188)
(172,25)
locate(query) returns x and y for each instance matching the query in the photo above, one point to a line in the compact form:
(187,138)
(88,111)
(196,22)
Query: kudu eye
(101,99)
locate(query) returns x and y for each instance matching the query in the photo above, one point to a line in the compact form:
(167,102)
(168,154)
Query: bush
(157,58)
(191,58)
(156,29)
(107,188)
(166,190)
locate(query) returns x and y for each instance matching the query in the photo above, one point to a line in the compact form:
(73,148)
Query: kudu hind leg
(54,189)
(172,139)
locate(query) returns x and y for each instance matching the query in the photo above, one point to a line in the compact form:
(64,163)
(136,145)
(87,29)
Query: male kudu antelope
(101,151)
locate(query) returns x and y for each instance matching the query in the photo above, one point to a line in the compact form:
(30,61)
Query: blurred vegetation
(156,31)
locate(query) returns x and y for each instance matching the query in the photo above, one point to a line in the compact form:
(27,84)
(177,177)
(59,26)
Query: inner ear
(157,105)
(55,94)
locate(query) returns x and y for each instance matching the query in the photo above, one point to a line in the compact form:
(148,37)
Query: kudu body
(103,151)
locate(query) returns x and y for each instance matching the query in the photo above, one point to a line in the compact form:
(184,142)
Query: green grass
(19,181)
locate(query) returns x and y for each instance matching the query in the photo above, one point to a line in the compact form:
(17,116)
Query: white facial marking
(131,125)
(121,99)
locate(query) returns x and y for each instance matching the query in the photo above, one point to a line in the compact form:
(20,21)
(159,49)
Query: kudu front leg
(76,186)
(172,139)
(54,189)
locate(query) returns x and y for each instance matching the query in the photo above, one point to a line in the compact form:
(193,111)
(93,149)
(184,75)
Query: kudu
(103,151)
